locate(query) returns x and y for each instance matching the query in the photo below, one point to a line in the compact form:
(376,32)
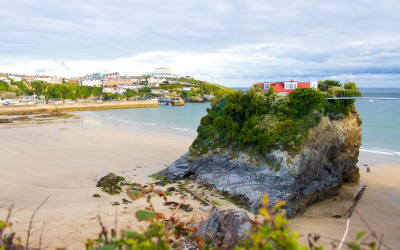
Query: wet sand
(64,160)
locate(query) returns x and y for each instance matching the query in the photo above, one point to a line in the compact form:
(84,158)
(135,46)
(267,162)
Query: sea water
(381,122)
(380,128)
(181,121)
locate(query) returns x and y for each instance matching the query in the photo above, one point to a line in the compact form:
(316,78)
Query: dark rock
(226,228)
(184,207)
(125,201)
(328,157)
(171,189)
(195,99)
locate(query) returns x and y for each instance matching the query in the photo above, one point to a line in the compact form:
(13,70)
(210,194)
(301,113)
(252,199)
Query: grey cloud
(301,38)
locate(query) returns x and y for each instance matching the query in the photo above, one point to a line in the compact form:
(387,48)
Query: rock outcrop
(195,99)
(327,159)
(225,228)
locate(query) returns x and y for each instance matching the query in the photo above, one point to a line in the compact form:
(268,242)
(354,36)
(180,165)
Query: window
(267,85)
(290,85)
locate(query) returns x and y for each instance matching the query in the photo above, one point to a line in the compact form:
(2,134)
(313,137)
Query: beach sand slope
(63,161)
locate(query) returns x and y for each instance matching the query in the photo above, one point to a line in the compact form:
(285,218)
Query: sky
(233,43)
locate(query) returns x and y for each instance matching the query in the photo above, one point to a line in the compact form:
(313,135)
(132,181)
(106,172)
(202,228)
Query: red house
(285,88)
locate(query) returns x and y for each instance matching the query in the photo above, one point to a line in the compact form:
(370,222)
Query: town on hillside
(161,83)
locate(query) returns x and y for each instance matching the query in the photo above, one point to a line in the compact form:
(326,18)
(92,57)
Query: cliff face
(327,158)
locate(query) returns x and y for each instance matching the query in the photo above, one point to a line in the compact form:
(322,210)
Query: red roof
(280,86)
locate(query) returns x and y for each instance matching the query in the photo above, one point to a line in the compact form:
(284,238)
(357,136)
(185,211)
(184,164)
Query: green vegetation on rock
(257,122)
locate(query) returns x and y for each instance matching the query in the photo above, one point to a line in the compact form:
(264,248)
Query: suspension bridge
(339,93)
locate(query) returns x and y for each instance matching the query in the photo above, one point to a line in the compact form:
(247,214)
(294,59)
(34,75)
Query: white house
(186,88)
(155,79)
(92,82)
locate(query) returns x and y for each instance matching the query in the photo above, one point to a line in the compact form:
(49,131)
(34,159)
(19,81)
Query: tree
(325,85)
(350,85)
(145,89)
(5,87)
(304,100)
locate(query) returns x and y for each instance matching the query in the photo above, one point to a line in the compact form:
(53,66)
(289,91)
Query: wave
(379,151)
(181,129)
(147,123)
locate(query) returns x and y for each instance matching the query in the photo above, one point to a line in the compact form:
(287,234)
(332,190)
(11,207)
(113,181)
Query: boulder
(226,228)
(327,158)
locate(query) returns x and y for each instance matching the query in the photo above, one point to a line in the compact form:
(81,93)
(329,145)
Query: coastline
(65,160)
(47,108)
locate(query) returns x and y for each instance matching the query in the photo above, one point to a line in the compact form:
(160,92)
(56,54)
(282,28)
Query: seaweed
(110,184)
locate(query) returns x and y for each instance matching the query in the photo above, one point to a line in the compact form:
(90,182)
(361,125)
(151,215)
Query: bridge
(338,93)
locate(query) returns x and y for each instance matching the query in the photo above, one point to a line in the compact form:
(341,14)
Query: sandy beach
(63,161)
(378,210)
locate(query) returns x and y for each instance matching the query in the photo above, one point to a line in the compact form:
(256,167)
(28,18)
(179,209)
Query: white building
(114,75)
(114,90)
(9,101)
(15,78)
(91,83)
(162,72)
(186,88)
(156,79)
(4,79)
(130,86)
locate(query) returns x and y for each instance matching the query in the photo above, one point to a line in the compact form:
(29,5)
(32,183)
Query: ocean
(381,122)
(380,128)
(181,121)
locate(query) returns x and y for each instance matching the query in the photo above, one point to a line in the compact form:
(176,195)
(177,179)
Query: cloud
(228,42)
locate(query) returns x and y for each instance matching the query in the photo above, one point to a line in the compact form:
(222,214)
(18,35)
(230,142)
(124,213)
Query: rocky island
(297,148)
